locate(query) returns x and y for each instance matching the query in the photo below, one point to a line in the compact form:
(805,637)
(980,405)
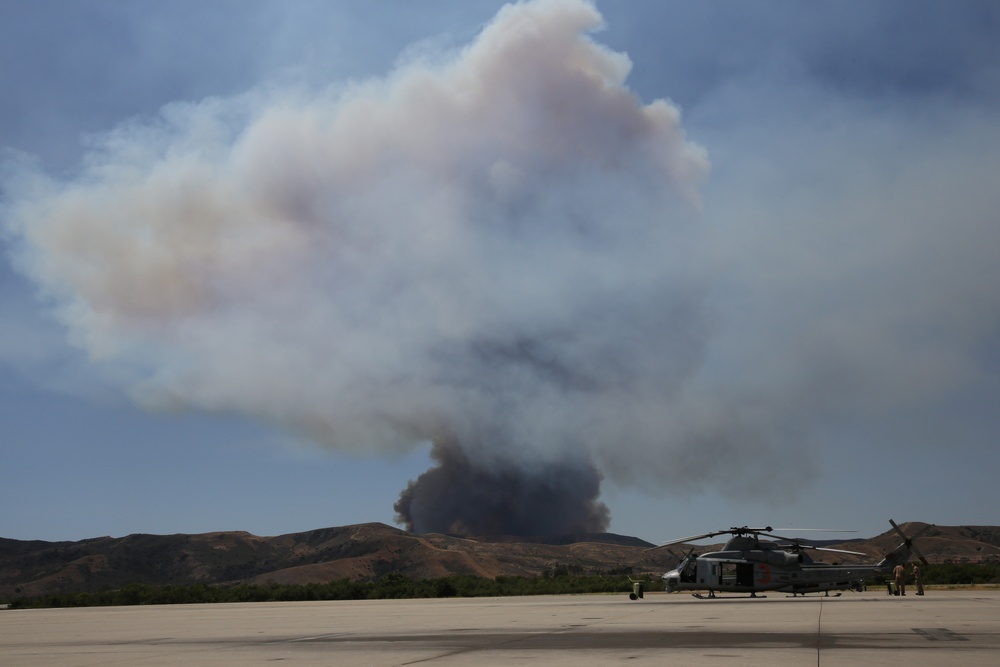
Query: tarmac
(942,627)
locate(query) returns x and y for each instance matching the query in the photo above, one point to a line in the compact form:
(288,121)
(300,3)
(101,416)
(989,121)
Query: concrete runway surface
(943,627)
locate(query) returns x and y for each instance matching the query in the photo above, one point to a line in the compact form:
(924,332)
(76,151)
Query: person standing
(917,581)
(899,572)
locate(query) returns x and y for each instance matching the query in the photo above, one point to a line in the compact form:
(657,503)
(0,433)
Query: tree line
(390,586)
(561,580)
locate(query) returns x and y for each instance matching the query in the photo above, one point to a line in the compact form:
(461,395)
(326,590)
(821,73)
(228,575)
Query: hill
(369,551)
(359,552)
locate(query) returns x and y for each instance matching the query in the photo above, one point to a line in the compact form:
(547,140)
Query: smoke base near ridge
(528,499)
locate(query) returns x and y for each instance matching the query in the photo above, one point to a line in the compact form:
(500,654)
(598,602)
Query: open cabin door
(734,574)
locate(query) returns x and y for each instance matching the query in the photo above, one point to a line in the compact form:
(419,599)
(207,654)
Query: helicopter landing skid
(713,596)
(817,595)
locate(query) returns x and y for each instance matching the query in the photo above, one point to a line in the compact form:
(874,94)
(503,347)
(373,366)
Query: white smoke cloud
(501,250)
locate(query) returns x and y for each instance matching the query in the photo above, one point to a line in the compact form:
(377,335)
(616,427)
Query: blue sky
(786,315)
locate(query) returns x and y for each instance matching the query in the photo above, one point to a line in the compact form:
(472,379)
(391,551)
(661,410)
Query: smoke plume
(542,498)
(497,252)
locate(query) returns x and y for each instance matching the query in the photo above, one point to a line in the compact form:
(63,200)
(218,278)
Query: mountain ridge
(371,550)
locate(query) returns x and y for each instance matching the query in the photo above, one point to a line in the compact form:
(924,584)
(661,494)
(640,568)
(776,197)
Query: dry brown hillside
(368,551)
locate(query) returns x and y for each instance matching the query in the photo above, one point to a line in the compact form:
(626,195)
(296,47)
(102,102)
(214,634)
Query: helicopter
(748,565)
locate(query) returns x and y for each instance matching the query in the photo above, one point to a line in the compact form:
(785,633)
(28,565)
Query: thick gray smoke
(542,498)
(499,254)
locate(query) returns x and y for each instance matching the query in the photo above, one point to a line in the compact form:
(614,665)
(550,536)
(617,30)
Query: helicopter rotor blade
(913,537)
(836,551)
(802,530)
(693,538)
(909,541)
(747,530)
(735,530)
(895,527)
(815,530)
(796,540)
(795,544)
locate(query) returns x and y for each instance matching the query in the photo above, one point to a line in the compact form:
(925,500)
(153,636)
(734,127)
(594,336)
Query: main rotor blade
(816,530)
(797,540)
(837,551)
(743,530)
(799,545)
(693,538)
(746,530)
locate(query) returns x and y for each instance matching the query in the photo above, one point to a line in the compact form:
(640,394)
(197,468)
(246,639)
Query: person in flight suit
(917,581)
(899,572)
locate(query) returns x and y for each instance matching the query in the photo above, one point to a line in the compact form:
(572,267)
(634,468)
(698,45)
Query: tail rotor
(908,545)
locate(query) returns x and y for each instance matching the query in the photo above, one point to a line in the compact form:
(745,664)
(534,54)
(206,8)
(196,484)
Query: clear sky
(740,260)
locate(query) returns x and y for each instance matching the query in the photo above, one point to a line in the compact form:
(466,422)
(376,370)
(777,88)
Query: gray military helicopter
(748,565)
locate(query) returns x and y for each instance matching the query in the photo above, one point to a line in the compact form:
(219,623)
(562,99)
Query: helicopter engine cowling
(782,558)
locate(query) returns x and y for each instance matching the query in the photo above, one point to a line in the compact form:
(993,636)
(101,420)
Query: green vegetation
(561,580)
(390,586)
(963,573)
